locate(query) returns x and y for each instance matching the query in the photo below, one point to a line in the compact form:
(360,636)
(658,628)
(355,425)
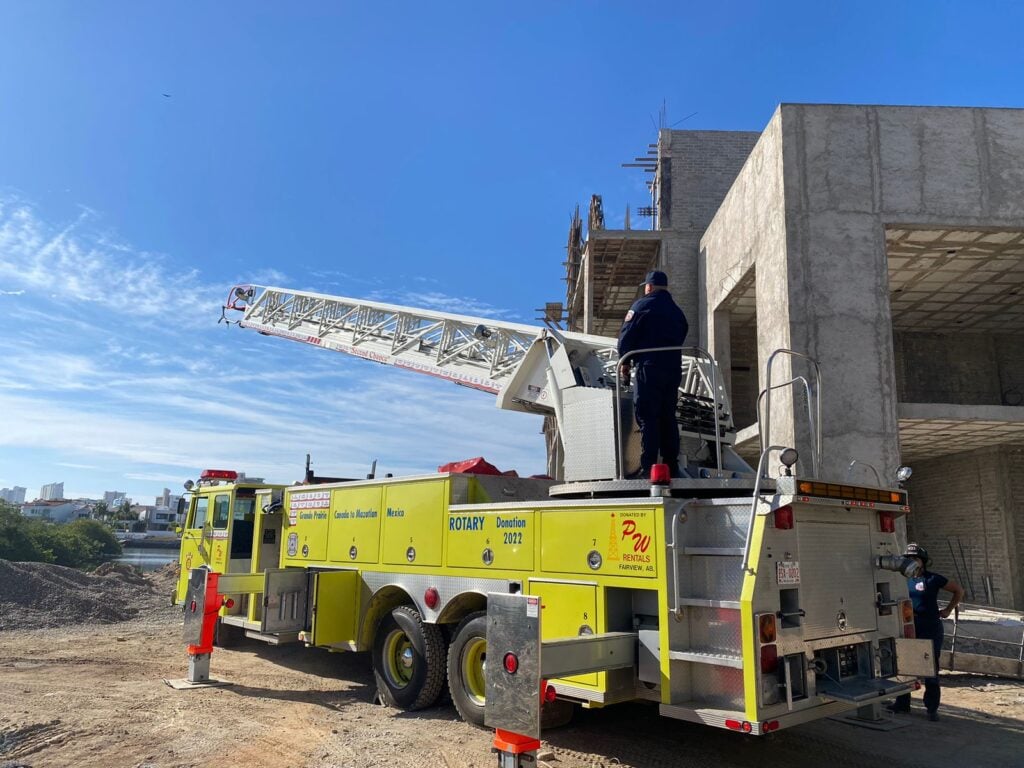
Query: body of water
(148,559)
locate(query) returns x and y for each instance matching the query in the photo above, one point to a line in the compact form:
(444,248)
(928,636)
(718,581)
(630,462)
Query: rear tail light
(771,725)
(907,611)
(784,517)
(907,614)
(887,522)
(766,627)
(550,694)
(769,658)
(511,663)
(739,725)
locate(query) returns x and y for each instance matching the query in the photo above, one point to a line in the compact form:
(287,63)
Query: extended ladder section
(533,369)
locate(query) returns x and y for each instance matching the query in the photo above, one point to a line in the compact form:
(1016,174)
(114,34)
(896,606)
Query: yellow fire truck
(728,596)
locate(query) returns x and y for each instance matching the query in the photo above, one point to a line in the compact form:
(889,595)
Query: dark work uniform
(924,592)
(656,321)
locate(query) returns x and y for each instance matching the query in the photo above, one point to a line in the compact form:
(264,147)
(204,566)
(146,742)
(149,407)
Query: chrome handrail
(815,426)
(854,462)
(714,395)
(756,497)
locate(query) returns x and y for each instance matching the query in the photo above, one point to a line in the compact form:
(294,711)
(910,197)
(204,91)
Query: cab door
(194,546)
(216,533)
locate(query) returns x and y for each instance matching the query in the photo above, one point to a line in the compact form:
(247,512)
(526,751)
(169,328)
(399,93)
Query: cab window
(199,512)
(221,510)
(245,509)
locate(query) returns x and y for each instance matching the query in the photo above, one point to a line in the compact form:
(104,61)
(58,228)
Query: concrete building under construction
(887,243)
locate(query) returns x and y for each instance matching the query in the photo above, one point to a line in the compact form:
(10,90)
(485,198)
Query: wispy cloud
(79,263)
(13,293)
(441,302)
(155,477)
(116,379)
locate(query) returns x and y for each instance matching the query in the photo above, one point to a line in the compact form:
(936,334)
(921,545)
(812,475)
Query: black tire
(408,660)
(466,657)
(227,635)
(557,713)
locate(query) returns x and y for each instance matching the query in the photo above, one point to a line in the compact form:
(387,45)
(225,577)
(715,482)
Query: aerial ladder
(570,377)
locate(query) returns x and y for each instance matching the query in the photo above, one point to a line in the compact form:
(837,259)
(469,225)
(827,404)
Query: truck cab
(226,528)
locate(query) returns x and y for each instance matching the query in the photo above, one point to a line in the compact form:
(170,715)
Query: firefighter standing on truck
(655,320)
(924,590)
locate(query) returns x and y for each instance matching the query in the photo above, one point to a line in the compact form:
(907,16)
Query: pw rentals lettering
(638,559)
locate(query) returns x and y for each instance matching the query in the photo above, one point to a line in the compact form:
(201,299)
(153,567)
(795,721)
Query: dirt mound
(34,595)
(164,578)
(125,571)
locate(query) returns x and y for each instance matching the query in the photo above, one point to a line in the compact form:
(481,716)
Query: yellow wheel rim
(474,656)
(399,658)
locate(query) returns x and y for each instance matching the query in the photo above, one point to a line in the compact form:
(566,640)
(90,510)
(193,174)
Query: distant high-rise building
(109,497)
(52,491)
(15,495)
(164,499)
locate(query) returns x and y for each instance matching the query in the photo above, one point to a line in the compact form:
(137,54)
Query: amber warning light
(854,493)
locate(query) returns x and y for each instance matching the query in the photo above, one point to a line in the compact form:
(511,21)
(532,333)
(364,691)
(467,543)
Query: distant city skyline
(15,495)
(52,491)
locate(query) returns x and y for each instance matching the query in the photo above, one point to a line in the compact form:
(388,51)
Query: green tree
(80,544)
(100,510)
(16,541)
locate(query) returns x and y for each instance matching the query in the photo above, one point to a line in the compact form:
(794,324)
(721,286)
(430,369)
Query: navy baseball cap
(656,278)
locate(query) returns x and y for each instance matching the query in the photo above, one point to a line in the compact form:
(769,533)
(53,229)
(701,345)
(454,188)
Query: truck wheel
(408,659)
(227,635)
(467,655)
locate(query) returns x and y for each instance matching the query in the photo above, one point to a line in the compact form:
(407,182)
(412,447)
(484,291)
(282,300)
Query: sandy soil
(93,695)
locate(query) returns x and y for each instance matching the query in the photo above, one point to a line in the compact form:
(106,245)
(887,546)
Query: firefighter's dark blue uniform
(656,321)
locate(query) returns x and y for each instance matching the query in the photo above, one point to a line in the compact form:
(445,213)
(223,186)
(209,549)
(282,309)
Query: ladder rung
(721,551)
(717,659)
(703,602)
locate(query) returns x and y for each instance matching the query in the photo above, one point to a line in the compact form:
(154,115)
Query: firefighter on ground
(924,590)
(655,320)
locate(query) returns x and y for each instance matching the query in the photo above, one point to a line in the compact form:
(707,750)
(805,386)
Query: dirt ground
(93,695)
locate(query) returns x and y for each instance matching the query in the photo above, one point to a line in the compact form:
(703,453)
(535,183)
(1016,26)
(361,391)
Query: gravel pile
(36,595)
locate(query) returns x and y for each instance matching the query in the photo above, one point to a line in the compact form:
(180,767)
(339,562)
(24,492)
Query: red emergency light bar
(218,474)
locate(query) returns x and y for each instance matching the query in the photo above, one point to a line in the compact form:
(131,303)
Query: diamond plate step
(722,551)
(717,659)
(703,602)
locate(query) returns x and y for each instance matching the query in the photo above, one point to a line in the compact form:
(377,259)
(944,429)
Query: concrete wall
(701,167)
(964,368)
(748,230)
(851,170)
(974,500)
(816,231)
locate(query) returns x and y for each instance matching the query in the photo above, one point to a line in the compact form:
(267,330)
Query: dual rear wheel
(410,666)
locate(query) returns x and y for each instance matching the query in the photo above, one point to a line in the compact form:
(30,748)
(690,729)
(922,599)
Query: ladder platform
(701,657)
(719,551)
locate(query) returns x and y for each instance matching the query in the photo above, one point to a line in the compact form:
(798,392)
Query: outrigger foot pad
(183,684)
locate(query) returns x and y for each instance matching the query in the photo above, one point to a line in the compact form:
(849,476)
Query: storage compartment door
(284,600)
(335,607)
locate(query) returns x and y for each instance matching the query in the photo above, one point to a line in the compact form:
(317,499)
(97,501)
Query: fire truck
(746,598)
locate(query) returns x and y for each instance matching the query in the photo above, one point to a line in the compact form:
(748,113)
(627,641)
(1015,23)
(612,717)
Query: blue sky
(427,154)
